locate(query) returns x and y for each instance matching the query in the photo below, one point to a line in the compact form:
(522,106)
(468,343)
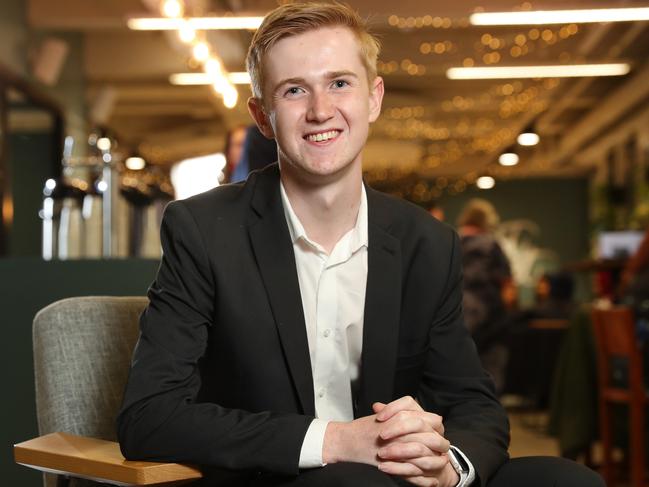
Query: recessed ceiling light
(528,139)
(103,143)
(135,163)
(485,182)
(508,159)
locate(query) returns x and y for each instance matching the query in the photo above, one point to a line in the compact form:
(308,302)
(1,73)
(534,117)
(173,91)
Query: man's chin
(318,174)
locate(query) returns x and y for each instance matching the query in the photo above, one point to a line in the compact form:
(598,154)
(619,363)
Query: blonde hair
(479,213)
(298,18)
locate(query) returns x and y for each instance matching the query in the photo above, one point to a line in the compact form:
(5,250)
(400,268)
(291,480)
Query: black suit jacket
(221,374)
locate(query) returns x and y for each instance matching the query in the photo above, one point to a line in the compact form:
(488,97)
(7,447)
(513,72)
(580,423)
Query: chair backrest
(619,356)
(82,353)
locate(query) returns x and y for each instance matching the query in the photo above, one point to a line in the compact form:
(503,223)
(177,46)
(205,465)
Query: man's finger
(377,407)
(432,465)
(422,481)
(405,403)
(404,451)
(406,422)
(432,440)
(403,469)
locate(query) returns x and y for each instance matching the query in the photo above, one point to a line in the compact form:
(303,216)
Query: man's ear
(376,98)
(258,114)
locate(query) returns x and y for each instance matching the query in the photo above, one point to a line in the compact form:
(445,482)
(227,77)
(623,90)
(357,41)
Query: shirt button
(326,333)
(321,392)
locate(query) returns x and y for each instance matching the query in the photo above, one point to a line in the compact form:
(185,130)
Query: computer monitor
(617,245)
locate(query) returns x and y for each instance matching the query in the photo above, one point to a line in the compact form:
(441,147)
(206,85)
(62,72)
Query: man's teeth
(322,136)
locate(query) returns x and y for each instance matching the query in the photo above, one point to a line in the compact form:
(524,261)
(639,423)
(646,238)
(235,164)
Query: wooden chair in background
(618,350)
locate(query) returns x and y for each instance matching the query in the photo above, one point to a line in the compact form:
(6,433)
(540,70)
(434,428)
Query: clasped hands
(400,439)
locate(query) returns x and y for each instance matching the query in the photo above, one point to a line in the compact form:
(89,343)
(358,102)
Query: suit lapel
(271,244)
(382,310)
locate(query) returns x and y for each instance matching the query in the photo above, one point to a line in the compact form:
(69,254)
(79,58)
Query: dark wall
(26,286)
(30,166)
(558,206)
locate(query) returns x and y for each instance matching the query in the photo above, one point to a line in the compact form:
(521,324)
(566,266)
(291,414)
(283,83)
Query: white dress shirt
(332,287)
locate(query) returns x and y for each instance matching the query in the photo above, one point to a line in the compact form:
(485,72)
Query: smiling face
(317,103)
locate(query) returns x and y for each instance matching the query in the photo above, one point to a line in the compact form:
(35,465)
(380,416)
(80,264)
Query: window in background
(196,175)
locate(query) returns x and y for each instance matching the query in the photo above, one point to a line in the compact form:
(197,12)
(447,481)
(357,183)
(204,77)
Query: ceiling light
(103,143)
(239,78)
(542,17)
(236,78)
(196,23)
(528,139)
(172,8)
(102,186)
(135,163)
(186,33)
(201,51)
(213,67)
(549,71)
(230,98)
(485,182)
(221,85)
(508,159)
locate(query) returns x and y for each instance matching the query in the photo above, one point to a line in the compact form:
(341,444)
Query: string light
(424,21)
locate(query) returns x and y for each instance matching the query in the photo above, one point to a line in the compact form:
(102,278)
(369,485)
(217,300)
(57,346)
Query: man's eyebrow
(338,74)
(288,81)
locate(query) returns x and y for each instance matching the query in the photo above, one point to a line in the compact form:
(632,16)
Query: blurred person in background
(436,211)
(554,296)
(488,288)
(234,140)
(257,152)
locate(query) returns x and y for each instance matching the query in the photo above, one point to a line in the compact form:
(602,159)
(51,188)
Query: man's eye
(340,83)
(294,90)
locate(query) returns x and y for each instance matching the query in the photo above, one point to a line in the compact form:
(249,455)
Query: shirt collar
(359,235)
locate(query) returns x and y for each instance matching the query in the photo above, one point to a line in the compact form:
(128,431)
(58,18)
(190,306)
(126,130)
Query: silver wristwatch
(459,465)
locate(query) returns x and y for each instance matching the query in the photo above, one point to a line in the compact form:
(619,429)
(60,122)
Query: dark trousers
(519,472)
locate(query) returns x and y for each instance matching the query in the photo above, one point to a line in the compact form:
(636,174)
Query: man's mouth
(322,136)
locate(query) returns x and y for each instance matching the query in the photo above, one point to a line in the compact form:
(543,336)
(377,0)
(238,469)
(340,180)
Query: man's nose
(321,107)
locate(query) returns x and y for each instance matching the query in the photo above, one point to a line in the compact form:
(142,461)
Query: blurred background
(110,109)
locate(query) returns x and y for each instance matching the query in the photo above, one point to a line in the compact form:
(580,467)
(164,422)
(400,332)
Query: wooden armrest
(99,460)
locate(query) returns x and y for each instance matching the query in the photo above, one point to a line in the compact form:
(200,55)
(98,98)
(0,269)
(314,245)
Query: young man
(296,317)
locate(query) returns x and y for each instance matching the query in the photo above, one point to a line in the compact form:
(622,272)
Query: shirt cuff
(311,452)
(468,480)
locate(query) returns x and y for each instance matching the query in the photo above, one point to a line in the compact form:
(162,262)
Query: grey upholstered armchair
(82,351)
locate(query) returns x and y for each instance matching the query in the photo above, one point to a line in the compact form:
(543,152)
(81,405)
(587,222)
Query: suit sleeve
(161,418)
(455,385)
